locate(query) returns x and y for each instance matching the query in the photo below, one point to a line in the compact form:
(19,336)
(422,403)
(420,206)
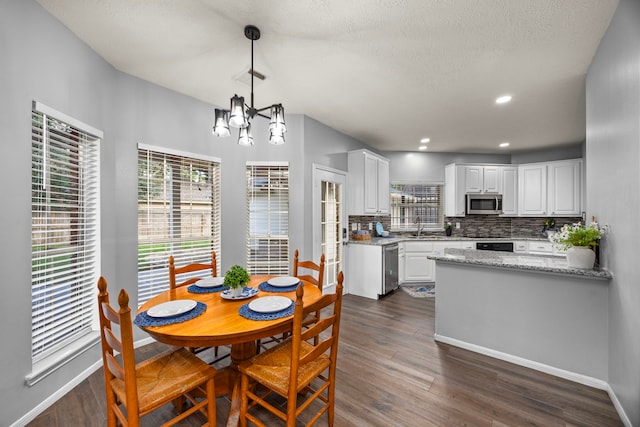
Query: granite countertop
(381,241)
(541,263)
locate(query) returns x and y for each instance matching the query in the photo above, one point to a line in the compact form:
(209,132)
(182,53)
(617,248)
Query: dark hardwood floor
(392,373)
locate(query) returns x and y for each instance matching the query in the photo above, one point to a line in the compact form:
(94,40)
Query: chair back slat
(318,328)
(112,340)
(319,349)
(110,313)
(114,367)
(190,268)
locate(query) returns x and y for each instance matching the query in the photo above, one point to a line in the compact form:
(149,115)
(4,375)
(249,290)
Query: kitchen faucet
(418,223)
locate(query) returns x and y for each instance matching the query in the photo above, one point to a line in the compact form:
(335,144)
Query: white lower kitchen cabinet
(365,276)
(414,264)
(537,247)
(418,268)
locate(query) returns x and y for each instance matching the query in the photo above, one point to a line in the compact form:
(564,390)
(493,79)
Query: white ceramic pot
(236,292)
(581,257)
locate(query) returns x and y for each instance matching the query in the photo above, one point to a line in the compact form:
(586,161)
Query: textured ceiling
(387,72)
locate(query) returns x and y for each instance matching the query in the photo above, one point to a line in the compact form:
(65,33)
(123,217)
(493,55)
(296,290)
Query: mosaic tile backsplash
(478,225)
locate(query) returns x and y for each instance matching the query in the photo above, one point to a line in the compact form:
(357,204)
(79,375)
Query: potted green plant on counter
(236,278)
(448,228)
(579,241)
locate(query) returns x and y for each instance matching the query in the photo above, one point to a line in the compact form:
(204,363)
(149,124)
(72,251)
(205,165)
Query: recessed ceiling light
(503,99)
(504,144)
(424,140)
(422,147)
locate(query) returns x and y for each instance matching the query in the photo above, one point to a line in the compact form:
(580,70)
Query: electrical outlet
(457,225)
(354,226)
(370,226)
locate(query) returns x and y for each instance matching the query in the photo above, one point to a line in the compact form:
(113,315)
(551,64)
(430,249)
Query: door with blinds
(329,221)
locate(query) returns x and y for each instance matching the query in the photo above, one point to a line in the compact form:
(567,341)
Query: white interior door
(329,220)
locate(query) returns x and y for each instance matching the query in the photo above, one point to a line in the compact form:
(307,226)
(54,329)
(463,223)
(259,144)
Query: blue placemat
(266,287)
(143,319)
(247,313)
(195,289)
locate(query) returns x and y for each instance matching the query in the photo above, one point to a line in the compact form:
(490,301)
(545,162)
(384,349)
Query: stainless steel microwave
(484,204)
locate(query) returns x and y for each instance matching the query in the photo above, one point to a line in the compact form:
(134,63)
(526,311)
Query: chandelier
(241,114)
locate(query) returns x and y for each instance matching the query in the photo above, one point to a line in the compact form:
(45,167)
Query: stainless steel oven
(495,246)
(390,267)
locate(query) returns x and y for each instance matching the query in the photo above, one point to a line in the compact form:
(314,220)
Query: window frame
(65,222)
(275,242)
(180,240)
(418,209)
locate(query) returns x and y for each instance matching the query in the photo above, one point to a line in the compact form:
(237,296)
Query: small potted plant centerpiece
(236,278)
(579,241)
(448,228)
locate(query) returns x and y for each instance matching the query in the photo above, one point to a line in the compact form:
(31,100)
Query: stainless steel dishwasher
(390,267)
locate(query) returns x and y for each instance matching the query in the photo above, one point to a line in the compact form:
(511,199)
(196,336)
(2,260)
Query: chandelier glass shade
(240,114)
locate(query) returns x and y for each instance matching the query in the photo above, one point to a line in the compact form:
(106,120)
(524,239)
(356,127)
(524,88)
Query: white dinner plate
(270,304)
(210,282)
(246,293)
(283,282)
(172,308)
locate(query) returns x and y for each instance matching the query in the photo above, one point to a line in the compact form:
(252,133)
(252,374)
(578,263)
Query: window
(65,229)
(268,222)
(414,205)
(178,214)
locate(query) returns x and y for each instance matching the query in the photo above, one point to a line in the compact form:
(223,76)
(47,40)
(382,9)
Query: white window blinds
(65,237)
(178,214)
(414,205)
(268,218)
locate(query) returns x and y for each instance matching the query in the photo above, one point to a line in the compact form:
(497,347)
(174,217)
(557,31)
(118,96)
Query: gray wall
(409,166)
(324,146)
(574,151)
(613,179)
(42,60)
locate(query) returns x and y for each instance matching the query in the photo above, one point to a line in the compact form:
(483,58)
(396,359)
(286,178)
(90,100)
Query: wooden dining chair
(140,388)
(189,268)
(318,281)
(309,265)
(174,272)
(295,368)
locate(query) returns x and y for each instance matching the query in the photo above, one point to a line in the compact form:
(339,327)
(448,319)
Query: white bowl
(385,233)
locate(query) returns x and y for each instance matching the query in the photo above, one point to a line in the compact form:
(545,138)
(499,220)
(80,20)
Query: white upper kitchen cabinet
(454,190)
(565,188)
(509,180)
(368,183)
(532,189)
(551,188)
(482,179)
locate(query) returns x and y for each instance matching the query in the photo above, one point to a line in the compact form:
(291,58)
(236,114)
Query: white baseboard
(547,369)
(616,404)
(42,406)
(571,376)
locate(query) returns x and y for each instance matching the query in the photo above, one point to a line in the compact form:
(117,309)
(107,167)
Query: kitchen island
(530,310)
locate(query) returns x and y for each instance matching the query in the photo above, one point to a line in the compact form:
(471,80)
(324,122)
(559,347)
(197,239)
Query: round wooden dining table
(221,324)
